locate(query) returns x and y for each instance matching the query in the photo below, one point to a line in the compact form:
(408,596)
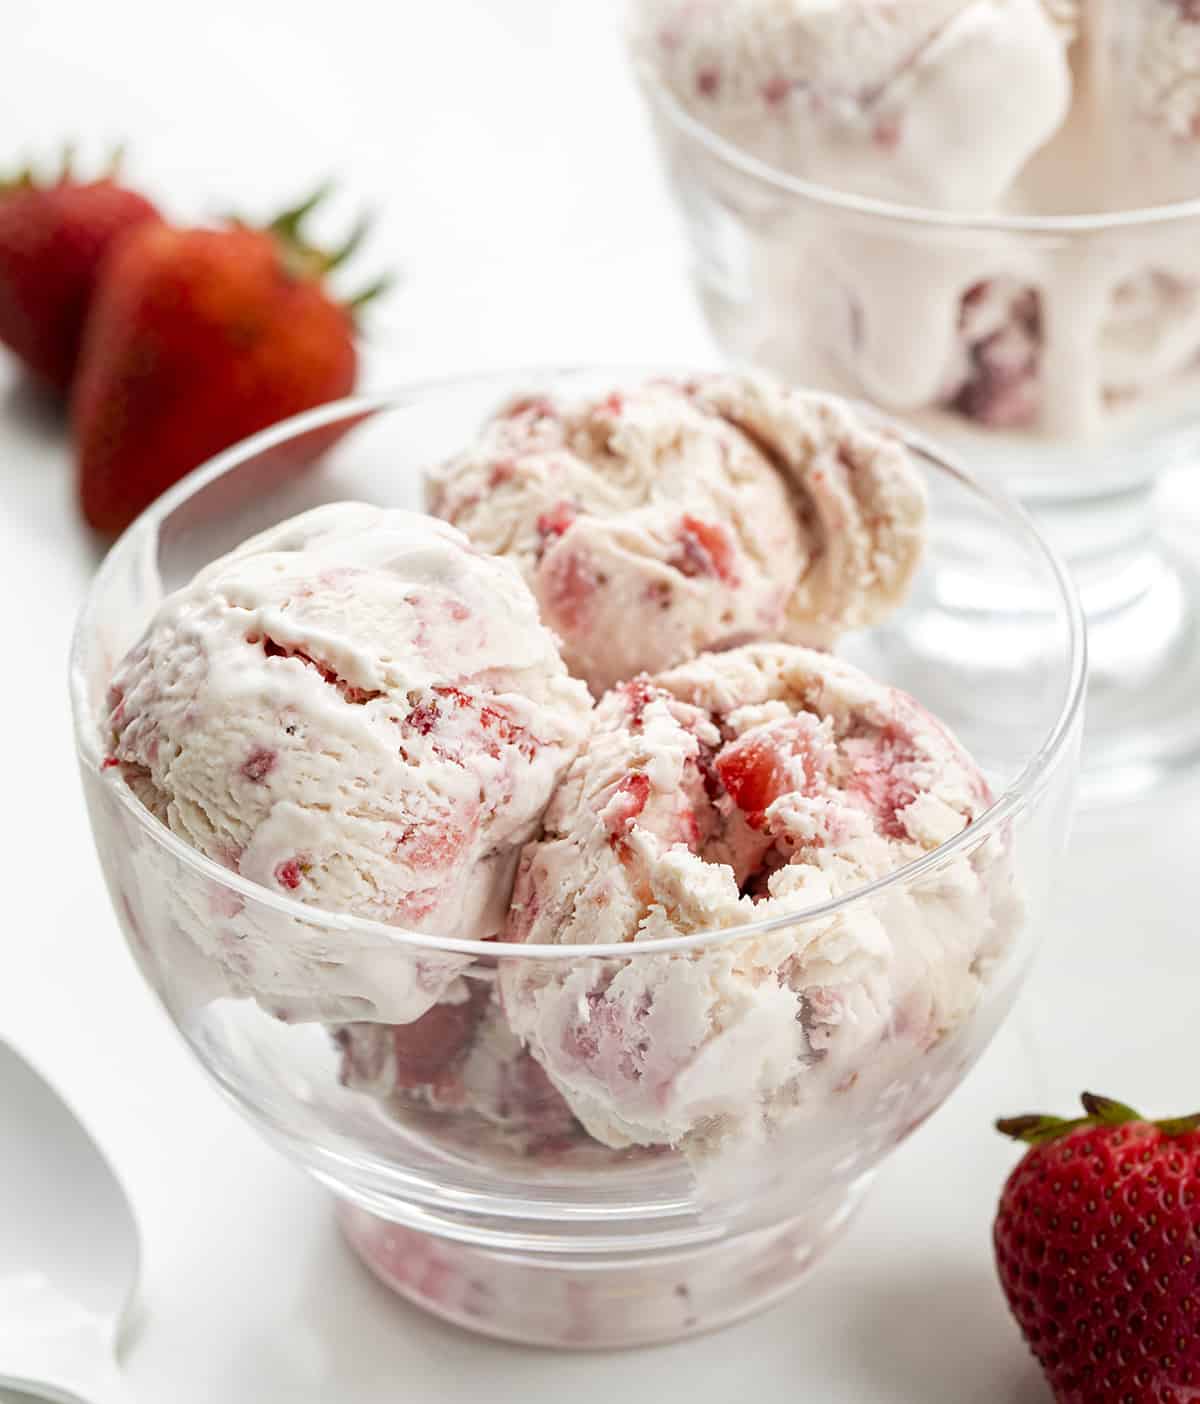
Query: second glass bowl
(477,1194)
(1056,355)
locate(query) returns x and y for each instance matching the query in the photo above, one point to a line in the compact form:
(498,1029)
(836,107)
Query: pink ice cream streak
(666,519)
(360,712)
(745,785)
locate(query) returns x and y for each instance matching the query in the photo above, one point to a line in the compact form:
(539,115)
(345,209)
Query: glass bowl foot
(1143,717)
(579,1300)
(1138,574)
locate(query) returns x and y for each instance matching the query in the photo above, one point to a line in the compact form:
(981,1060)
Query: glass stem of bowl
(1129,587)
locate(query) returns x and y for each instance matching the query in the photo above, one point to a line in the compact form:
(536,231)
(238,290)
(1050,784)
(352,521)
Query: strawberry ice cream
(1144,68)
(744,787)
(930,102)
(669,518)
(355,710)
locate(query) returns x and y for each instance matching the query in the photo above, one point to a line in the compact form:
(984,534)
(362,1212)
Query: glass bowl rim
(894,212)
(1001,812)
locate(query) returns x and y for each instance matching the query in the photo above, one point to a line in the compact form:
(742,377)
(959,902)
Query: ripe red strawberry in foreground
(53,240)
(1098,1248)
(197,338)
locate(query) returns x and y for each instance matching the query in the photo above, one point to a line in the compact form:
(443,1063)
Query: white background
(505,151)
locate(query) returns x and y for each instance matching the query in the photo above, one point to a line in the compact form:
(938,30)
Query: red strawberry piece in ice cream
(627,803)
(639,692)
(432,843)
(883,777)
(290,873)
(553,524)
(569,582)
(258,764)
(767,763)
(705,548)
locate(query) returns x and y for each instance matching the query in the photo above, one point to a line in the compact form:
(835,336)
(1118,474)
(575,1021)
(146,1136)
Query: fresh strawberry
(1098,1247)
(53,239)
(198,338)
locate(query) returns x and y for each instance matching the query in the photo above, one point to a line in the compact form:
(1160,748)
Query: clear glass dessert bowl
(1057,354)
(470,1187)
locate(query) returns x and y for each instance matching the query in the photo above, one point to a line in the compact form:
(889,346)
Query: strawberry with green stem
(198,338)
(54,237)
(1097,1244)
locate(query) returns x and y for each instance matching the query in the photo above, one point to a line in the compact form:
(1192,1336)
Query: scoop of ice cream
(858,497)
(745,787)
(661,521)
(1144,73)
(359,711)
(931,102)
(1162,38)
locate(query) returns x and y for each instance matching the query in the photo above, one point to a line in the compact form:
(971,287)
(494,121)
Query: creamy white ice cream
(742,787)
(932,102)
(361,712)
(665,519)
(1144,71)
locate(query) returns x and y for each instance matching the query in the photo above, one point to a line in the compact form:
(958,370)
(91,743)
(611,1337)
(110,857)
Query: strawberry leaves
(1035,1129)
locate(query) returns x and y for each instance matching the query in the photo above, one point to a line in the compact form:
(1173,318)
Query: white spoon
(69,1248)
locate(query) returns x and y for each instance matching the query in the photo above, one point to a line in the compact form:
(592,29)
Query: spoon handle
(73,1365)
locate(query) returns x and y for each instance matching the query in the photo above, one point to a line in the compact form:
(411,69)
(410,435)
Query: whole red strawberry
(53,239)
(1098,1248)
(197,338)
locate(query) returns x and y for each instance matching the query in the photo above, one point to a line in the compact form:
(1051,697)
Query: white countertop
(523,202)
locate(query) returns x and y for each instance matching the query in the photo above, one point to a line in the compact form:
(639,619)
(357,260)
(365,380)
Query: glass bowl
(475,1192)
(1058,355)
